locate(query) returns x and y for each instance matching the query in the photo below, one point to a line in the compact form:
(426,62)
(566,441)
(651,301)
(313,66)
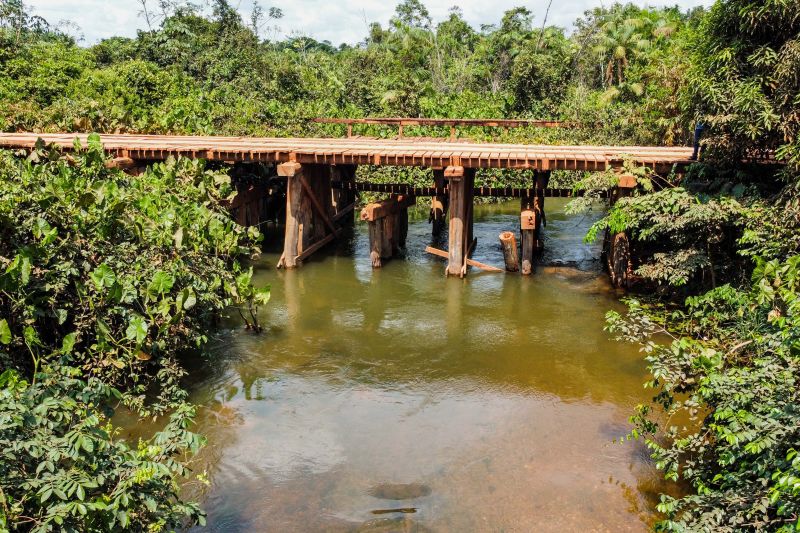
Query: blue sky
(334,20)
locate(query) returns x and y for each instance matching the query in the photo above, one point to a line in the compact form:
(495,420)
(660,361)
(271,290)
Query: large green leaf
(161,283)
(137,329)
(5,332)
(103,276)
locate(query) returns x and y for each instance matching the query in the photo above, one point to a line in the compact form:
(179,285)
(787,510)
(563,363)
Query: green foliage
(114,273)
(210,73)
(724,417)
(679,235)
(729,385)
(63,469)
(744,78)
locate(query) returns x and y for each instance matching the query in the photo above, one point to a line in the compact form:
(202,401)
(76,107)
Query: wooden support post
(309,211)
(617,248)
(298,215)
(376,242)
(438,214)
(527,224)
(461,183)
(510,253)
(529,220)
(320,194)
(625,186)
(388,227)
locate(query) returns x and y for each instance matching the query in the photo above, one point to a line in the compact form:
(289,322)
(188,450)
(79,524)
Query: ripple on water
(396,400)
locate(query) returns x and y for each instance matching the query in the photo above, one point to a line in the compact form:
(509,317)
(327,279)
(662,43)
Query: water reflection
(397,400)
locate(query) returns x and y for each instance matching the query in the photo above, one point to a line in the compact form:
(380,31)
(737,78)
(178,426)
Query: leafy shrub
(116,273)
(731,377)
(62,467)
(679,237)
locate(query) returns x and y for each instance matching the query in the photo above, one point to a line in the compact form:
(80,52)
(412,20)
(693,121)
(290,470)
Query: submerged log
(471,262)
(510,254)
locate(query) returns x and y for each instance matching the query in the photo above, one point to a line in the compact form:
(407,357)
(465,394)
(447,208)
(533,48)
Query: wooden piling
(527,224)
(388,227)
(458,213)
(298,215)
(376,247)
(510,253)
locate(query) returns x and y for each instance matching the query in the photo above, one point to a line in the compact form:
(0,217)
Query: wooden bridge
(320,181)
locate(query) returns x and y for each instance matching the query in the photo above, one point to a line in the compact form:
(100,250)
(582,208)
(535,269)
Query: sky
(338,21)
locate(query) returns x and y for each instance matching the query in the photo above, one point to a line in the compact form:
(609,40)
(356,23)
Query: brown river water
(398,400)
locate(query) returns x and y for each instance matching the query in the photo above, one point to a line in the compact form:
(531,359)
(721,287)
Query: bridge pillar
(298,215)
(388,227)
(308,212)
(460,187)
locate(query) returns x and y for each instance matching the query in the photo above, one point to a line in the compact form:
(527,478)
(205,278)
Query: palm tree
(621,38)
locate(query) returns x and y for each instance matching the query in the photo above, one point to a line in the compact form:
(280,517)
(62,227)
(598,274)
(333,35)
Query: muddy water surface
(397,400)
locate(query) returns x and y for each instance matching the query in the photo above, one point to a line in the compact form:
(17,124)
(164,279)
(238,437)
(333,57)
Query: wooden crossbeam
(471,262)
(377,210)
(317,206)
(450,122)
(499,192)
(308,252)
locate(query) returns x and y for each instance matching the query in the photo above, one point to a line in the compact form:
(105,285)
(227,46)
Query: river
(398,400)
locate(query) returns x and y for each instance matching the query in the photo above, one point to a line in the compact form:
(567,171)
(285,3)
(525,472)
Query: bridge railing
(452,123)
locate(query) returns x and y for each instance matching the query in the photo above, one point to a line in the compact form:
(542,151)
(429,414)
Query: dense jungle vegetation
(106,278)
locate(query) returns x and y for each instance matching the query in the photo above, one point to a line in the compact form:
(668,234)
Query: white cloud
(343,21)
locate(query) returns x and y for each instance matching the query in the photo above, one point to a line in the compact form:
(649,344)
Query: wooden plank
(314,247)
(471,262)
(323,214)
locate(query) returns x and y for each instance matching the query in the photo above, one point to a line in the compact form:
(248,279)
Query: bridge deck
(367,151)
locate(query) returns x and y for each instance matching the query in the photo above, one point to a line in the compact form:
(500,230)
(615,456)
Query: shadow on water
(398,400)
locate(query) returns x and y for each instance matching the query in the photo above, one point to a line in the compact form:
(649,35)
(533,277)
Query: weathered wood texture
(388,227)
(442,191)
(508,241)
(356,151)
(247,205)
(471,262)
(298,216)
(460,233)
(309,211)
(528,238)
(478,122)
